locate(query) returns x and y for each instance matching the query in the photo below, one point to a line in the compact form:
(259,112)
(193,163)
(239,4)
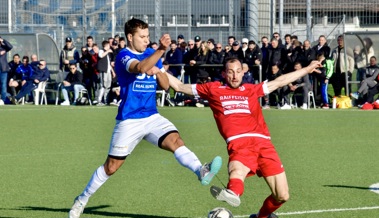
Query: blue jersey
(137,91)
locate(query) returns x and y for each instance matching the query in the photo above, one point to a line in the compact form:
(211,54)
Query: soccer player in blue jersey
(139,71)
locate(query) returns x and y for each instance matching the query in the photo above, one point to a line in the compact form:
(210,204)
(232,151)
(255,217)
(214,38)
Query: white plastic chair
(85,91)
(40,90)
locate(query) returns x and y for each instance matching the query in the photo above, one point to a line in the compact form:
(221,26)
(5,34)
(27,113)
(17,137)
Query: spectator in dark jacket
(217,57)
(40,75)
(276,55)
(73,82)
(5,47)
(201,58)
(253,58)
(236,52)
(174,56)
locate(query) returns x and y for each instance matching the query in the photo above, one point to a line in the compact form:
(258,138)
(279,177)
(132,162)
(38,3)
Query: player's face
(234,74)
(140,40)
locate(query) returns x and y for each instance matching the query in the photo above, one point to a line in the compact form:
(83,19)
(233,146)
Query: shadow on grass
(93,211)
(349,186)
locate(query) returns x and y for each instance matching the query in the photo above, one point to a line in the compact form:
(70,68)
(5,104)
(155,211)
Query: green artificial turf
(48,154)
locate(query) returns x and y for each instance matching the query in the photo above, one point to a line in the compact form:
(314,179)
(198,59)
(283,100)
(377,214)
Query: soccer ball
(220,212)
(1,102)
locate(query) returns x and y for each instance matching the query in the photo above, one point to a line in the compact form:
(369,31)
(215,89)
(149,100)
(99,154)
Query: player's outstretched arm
(178,86)
(290,77)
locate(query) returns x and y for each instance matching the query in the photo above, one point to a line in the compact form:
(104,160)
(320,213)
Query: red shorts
(256,153)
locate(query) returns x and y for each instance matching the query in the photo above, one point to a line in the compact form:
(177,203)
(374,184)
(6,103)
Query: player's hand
(164,42)
(153,71)
(313,65)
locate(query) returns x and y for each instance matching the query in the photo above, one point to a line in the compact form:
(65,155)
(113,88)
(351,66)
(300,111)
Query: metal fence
(208,18)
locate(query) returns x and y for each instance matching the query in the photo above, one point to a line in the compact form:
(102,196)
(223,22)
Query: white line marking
(318,211)
(329,210)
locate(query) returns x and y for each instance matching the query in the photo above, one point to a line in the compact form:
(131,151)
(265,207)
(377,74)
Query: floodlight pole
(84,22)
(309,20)
(10,17)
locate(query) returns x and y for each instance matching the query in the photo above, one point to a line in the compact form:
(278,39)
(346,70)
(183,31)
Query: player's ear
(129,36)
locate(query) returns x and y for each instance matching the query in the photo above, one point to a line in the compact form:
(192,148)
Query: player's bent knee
(112,165)
(282,197)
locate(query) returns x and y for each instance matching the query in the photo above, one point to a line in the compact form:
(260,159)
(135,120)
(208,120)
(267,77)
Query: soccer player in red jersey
(240,121)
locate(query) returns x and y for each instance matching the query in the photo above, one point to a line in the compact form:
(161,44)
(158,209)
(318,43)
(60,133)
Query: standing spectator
(90,43)
(69,55)
(73,82)
(217,57)
(31,83)
(138,117)
(342,69)
(211,44)
(240,122)
(201,58)
(174,56)
(96,74)
(276,36)
(194,47)
(325,72)
(236,51)
(253,59)
(180,39)
(5,47)
(231,39)
(115,50)
(308,54)
(106,73)
(264,49)
(244,48)
(322,47)
(85,65)
(15,78)
(122,43)
(276,55)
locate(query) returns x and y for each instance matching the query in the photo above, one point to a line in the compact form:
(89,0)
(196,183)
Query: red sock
(269,206)
(236,185)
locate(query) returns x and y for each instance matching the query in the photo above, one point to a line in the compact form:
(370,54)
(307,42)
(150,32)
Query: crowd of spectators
(91,68)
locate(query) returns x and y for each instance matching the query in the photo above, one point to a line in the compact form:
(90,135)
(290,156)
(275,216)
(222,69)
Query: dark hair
(232,37)
(368,42)
(121,39)
(89,37)
(132,25)
(25,57)
(287,35)
(373,57)
(104,43)
(16,55)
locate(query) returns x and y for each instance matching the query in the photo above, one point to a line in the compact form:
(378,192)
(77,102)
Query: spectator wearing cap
(236,51)
(174,56)
(253,58)
(190,55)
(180,39)
(211,44)
(244,47)
(69,55)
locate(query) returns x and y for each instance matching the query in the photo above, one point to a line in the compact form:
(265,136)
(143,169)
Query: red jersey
(237,111)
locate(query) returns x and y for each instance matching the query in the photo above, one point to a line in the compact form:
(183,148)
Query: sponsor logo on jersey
(233,104)
(144,86)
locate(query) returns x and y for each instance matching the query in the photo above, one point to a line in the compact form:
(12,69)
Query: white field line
(317,211)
